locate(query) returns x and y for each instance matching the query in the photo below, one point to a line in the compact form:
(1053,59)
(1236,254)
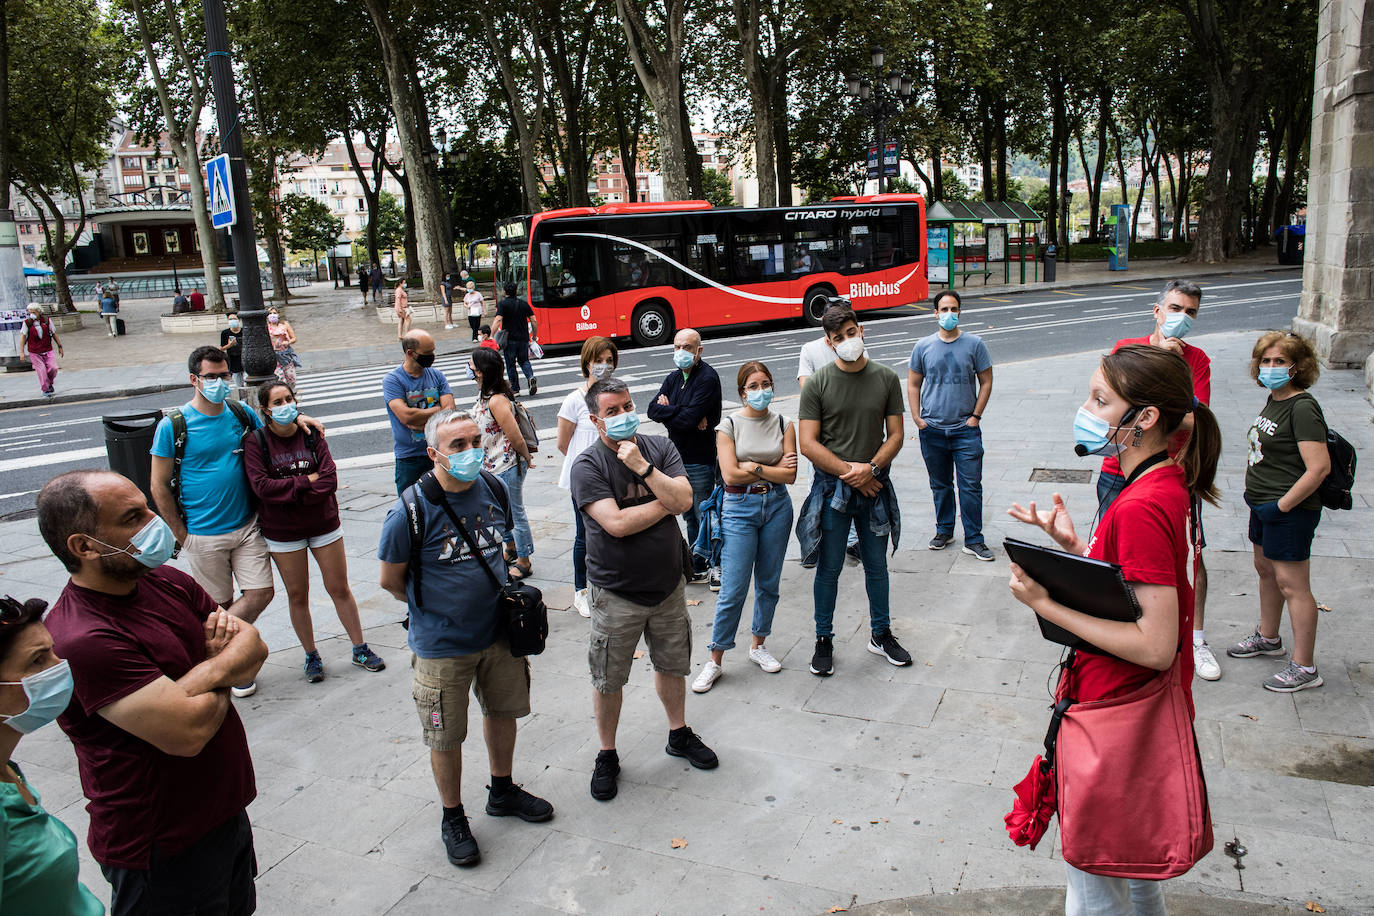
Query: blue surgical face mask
(1274,377)
(1176,324)
(949,320)
(622,426)
(759,399)
(155,544)
(216,390)
(1093,434)
(49,691)
(465,465)
(684,359)
(285,414)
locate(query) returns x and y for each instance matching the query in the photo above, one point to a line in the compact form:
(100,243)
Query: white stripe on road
(81,454)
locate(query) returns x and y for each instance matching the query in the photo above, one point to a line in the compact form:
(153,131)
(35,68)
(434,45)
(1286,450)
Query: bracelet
(976,416)
(645,476)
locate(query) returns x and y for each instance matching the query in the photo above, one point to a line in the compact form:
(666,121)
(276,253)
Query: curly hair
(1296,349)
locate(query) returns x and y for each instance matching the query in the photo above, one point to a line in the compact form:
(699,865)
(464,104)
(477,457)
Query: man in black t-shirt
(516,318)
(629,489)
(231,342)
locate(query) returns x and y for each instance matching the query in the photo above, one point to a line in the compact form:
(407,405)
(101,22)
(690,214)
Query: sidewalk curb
(362,359)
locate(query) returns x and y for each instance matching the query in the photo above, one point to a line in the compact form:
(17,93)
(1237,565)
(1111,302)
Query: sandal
(518,572)
(510,555)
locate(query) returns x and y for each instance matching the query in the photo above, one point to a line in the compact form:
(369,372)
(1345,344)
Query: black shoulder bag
(524,616)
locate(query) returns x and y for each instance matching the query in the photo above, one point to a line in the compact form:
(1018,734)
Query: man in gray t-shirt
(948,383)
(629,488)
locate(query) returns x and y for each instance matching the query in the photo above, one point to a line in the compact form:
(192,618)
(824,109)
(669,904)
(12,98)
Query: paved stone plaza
(878,784)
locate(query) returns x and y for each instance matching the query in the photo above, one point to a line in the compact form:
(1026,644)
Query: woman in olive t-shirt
(1286,462)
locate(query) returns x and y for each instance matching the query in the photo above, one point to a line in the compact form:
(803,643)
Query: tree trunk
(1000,139)
(782,133)
(429,214)
(527,127)
(55,243)
(760,100)
(372,192)
(695,186)
(660,72)
(408,206)
(1241,168)
(1264,220)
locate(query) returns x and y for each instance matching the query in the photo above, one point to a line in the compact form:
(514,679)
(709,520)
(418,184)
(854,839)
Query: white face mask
(850,349)
(600,370)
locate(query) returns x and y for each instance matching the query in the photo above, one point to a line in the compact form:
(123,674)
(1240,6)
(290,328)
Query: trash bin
(129,444)
(1292,240)
(1051,255)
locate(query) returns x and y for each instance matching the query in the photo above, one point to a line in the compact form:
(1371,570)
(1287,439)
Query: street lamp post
(447,162)
(880,106)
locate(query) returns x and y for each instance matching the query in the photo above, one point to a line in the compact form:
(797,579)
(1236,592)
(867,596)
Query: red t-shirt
(490,345)
(197,300)
(1146,532)
(290,507)
(139,796)
(1201,364)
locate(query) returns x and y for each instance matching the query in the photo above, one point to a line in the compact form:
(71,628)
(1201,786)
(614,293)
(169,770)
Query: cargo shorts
(440,687)
(618,624)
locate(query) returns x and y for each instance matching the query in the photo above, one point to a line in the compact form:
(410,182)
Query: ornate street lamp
(878,105)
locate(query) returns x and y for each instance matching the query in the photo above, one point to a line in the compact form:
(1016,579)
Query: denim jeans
(579,549)
(1094,895)
(703,480)
(410,470)
(949,453)
(756,528)
(514,480)
(835,528)
(517,351)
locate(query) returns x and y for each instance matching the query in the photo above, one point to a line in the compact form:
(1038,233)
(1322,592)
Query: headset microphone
(1081,451)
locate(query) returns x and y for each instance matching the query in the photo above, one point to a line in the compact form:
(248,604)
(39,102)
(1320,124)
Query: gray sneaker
(1292,679)
(1255,644)
(981,551)
(940,541)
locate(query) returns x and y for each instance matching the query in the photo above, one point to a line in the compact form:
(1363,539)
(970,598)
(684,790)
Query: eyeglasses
(211,376)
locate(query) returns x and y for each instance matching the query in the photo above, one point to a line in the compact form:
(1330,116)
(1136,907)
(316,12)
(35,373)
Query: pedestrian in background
(197,299)
(948,383)
(36,335)
(1286,463)
(180,303)
(377,279)
(400,303)
(109,311)
(505,453)
(576,432)
(446,293)
(515,326)
(688,405)
(230,341)
(363,276)
(283,338)
(294,479)
(476,307)
(38,858)
(757,449)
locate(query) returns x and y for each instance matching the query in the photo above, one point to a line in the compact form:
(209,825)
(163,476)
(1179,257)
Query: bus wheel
(652,324)
(814,305)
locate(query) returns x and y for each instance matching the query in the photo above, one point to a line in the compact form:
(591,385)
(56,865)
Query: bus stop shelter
(953,255)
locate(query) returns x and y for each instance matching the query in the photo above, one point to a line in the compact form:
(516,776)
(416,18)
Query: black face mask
(424,359)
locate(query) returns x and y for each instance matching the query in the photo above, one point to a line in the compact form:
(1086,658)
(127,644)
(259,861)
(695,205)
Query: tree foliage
(308,225)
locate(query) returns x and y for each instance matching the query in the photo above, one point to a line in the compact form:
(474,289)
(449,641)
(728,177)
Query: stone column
(1337,307)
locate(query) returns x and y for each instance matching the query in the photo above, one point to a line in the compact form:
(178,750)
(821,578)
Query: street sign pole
(258,357)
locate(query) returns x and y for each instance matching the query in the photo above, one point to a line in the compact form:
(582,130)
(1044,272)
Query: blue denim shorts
(1283,536)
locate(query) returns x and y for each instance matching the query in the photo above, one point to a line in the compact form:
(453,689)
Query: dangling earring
(1136,436)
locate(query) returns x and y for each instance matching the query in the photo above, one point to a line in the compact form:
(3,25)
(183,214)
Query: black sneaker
(314,668)
(886,645)
(684,743)
(823,661)
(697,576)
(940,541)
(853,554)
(516,802)
(604,774)
(534,387)
(459,842)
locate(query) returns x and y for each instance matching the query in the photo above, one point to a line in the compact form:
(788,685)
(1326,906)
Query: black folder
(1093,587)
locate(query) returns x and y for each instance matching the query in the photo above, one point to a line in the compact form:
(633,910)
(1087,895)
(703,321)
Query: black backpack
(1334,491)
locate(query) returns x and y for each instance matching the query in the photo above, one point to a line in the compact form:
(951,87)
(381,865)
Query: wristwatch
(645,476)
(874,467)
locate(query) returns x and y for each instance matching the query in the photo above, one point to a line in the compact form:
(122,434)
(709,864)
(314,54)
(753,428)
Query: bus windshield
(512,255)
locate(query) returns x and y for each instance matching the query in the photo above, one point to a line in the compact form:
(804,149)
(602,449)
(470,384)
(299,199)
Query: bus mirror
(545,253)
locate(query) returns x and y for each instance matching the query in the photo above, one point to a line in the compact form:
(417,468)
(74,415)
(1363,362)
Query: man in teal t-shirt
(214,519)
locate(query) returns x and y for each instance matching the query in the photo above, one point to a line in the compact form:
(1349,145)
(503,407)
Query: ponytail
(1200,455)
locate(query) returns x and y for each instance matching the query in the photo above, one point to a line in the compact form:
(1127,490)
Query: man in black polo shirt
(688,404)
(516,318)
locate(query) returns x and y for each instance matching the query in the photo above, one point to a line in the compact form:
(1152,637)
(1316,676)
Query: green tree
(953,187)
(715,186)
(391,221)
(58,113)
(486,188)
(308,225)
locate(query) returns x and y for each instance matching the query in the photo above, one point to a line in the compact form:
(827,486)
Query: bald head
(72,502)
(687,339)
(417,341)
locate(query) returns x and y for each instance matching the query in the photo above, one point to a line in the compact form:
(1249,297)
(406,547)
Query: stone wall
(1337,307)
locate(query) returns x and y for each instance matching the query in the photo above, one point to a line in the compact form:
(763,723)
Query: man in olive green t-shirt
(851,430)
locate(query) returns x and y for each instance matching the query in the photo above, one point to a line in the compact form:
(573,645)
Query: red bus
(643,270)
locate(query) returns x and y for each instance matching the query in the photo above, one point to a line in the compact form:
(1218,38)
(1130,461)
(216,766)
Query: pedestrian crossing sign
(221,187)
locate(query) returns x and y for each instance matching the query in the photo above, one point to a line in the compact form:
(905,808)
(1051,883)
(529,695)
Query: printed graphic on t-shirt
(1255,454)
(421,399)
(455,547)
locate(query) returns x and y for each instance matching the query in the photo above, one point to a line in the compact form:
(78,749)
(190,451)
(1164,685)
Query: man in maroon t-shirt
(162,754)
(1175,311)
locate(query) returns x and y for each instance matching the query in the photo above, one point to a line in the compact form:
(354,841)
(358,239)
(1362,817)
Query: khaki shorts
(618,624)
(217,561)
(440,688)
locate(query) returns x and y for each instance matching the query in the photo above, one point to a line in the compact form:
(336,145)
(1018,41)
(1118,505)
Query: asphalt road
(38,443)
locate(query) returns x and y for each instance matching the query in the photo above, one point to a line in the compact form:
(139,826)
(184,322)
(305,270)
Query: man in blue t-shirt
(414,391)
(948,383)
(455,626)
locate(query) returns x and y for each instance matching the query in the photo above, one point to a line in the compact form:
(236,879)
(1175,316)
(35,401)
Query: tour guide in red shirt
(161,751)
(1138,398)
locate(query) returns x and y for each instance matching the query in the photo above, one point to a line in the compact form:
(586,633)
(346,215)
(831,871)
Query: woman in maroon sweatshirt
(294,478)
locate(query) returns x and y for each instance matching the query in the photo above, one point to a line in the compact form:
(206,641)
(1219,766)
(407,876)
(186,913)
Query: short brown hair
(593,347)
(1297,350)
(836,317)
(749,369)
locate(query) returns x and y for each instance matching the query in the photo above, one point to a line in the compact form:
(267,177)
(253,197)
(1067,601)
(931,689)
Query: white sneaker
(1205,663)
(448,327)
(765,660)
(710,673)
(247,690)
(580,602)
